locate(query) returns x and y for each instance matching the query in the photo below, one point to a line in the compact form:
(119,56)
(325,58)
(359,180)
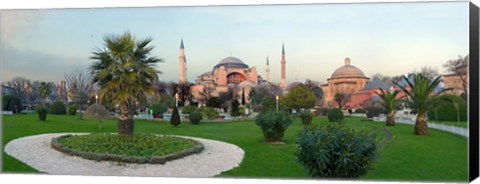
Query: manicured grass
(146,146)
(440,156)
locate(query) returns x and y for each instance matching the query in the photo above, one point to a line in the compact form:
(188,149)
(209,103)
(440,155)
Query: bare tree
(459,67)
(428,72)
(79,84)
(19,85)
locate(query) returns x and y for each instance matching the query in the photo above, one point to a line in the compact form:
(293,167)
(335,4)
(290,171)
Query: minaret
(268,71)
(283,83)
(182,65)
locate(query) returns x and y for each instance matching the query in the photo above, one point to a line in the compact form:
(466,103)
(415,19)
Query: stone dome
(231,62)
(348,71)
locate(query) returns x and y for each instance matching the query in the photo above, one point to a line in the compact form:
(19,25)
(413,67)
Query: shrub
(58,108)
(175,119)
(72,110)
(322,111)
(335,115)
(188,109)
(42,112)
(208,112)
(195,118)
(158,108)
(235,108)
(97,111)
(334,151)
(374,111)
(447,112)
(360,111)
(273,125)
(12,103)
(214,102)
(306,117)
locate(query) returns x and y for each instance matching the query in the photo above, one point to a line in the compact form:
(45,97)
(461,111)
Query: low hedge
(57,144)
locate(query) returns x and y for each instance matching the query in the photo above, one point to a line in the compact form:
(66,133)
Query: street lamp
(96,99)
(276,97)
(176,100)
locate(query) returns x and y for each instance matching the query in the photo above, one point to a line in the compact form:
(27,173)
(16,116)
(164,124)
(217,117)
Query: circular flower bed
(141,149)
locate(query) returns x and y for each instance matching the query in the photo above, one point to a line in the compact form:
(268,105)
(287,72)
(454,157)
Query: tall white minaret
(182,65)
(268,71)
(283,84)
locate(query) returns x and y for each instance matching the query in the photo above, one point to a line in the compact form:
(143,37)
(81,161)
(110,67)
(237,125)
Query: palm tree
(125,74)
(422,97)
(390,102)
(44,90)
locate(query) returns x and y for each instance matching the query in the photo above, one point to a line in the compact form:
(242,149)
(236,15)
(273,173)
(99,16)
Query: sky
(387,38)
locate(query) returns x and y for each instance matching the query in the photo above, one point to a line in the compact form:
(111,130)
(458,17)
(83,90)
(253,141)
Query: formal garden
(277,135)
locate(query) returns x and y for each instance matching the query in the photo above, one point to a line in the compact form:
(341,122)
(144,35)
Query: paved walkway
(452,129)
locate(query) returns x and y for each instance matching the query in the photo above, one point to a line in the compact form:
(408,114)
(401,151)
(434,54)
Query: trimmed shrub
(158,108)
(360,111)
(306,116)
(175,119)
(334,151)
(58,108)
(72,110)
(208,112)
(374,111)
(12,103)
(195,118)
(42,112)
(188,109)
(335,115)
(273,125)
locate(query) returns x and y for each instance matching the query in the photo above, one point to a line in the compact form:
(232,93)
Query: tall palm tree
(44,90)
(390,102)
(422,97)
(125,72)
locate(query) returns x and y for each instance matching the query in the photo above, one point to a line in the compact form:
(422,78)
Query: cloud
(37,65)
(14,21)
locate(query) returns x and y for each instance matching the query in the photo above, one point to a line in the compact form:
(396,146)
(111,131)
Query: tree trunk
(390,119)
(421,127)
(125,122)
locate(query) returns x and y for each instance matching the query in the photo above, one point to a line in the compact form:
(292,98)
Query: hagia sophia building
(231,74)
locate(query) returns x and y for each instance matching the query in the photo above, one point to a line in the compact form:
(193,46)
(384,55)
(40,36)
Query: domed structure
(231,62)
(347,71)
(346,79)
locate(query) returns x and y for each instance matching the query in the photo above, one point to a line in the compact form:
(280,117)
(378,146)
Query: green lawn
(440,156)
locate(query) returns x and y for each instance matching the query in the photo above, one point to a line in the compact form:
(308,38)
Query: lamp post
(276,97)
(176,100)
(96,99)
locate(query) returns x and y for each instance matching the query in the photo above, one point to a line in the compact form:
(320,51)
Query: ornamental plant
(335,115)
(195,118)
(273,125)
(42,112)
(334,151)
(72,110)
(58,108)
(98,112)
(175,119)
(306,116)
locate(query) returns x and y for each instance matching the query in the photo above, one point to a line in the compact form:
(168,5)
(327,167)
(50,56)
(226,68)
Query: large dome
(231,62)
(348,71)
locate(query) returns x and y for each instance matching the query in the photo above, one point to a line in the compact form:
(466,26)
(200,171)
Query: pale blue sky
(388,38)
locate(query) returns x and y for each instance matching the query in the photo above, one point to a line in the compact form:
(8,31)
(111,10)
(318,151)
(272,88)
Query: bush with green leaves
(195,118)
(335,115)
(449,111)
(72,110)
(158,108)
(360,111)
(235,108)
(273,125)
(334,151)
(323,111)
(12,103)
(306,116)
(188,109)
(374,111)
(58,108)
(175,119)
(42,112)
(208,112)
(98,112)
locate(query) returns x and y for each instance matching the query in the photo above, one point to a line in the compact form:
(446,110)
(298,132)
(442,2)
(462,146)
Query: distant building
(458,81)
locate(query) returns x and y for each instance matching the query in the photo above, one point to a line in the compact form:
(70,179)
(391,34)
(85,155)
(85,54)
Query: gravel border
(36,152)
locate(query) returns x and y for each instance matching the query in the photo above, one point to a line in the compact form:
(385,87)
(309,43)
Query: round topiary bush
(58,108)
(306,117)
(360,111)
(273,125)
(72,110)
(335,151)
(42,112)
(188,109)
(195,117)
(335,115)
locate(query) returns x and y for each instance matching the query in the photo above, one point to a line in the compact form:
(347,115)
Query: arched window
(235,78)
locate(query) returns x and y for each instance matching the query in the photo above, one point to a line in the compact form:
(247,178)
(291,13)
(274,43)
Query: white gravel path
(36,152)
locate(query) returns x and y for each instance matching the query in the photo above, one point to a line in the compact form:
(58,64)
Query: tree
(125,72)
(99,112)
(243,96)
(421,96)
(341,99)
(235,110)
(317,90)
(44,90)
(428,72)
(390,103)
(300,97)
(184,92)
(20,86)
(459,67)
(175,119)
(215,102)
(79,84)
